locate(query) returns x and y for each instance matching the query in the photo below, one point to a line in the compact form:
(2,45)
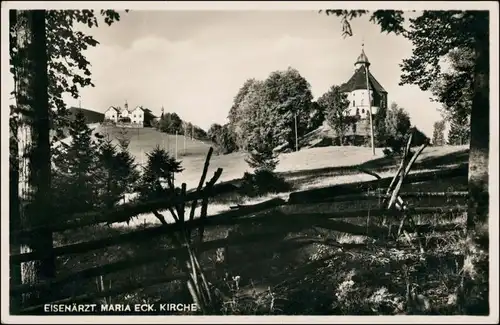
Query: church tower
(361,96)
(362,60)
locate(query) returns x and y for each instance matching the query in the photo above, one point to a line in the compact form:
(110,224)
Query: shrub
(263,182)
(387,152)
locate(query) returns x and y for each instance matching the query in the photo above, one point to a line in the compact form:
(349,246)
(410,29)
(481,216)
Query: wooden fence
(272,212)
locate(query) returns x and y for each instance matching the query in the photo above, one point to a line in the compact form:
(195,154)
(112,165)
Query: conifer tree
(75,169)
(158,172)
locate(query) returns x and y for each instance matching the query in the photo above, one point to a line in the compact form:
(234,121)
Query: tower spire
(362,58)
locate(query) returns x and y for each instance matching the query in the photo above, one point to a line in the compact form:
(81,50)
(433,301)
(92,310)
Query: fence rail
(277,214)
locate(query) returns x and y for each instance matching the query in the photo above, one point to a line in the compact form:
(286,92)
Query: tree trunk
(41,163)
(32,100)
(477,217)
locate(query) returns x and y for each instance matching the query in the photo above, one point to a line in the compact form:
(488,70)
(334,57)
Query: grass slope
(143,140)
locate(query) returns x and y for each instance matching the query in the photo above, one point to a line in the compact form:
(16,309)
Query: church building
(363,93)
(356,88)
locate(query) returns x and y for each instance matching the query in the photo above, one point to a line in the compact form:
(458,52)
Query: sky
(194,62)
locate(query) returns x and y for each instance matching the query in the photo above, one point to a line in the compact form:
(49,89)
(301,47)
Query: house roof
(138,107)
(112,107)
(358,81)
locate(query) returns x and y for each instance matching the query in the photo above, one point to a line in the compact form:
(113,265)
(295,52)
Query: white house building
(111,114)
(138,116)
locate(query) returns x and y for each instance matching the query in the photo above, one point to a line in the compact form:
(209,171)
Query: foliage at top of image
(390,21)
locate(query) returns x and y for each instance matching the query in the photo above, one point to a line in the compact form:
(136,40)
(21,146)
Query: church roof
(362,59)
(358,81)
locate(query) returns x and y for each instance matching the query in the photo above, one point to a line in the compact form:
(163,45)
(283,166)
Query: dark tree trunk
(41,164)
(479,138)
(32,98)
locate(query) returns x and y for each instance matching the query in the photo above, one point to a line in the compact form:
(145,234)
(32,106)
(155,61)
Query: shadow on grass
(296,179)
(383,164)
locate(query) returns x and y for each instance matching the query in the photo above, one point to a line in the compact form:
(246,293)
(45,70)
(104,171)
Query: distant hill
(90,115)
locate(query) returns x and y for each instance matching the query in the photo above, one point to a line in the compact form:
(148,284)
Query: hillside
(143,140)
(324,136)
(90,115)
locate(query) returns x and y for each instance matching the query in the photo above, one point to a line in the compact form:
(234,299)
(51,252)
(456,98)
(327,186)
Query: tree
(251,108)
(46,61)
(336,106)
(459,132)
(126,172)
(75,172)
(261,155)
(171,123)
(259,127)
(438,134)
(199,133)
(316,118)
(158,172)
(116,174)
(235,112)
(288,98)
(454,88)
(188,126)
(379,127)
(226,140)
(397,124)
(214,132)
(123,137)
(435,34)
(223,137)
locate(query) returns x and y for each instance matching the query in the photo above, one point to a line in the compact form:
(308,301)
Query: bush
(263,182)
(387,152)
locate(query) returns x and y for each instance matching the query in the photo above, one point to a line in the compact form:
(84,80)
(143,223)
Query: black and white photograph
(307,160)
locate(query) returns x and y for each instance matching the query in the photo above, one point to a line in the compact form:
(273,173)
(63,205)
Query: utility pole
(185,129)
(370,109)
(176,144)
(296,133)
